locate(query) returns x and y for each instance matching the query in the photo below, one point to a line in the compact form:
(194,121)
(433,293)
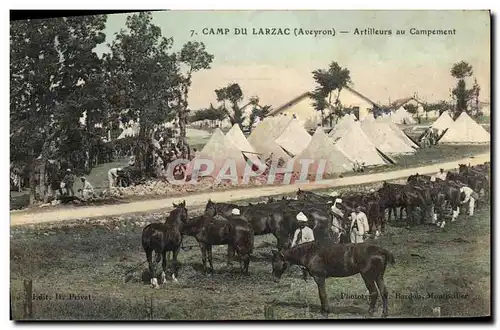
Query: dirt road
(30,217)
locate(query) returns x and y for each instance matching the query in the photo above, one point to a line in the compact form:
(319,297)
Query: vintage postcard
(250,165)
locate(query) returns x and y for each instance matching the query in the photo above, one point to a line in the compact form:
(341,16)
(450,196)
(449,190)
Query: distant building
(302,107)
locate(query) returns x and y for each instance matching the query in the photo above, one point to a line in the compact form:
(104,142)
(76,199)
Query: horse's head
(462,168)
(279,264)
(180,212)
(211,209)
(300,195)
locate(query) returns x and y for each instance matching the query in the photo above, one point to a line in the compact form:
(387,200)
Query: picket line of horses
(330,254)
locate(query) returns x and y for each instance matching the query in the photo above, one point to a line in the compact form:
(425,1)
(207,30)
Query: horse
(162,238)
(263,218)
(371,206)
(390,198)
(233,231)
(413,197)
(418,178)
(339,260)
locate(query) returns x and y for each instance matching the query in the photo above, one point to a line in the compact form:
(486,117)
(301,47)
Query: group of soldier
(359,226)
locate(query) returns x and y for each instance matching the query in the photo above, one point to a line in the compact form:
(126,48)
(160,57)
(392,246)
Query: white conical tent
(294,138)
(236,136)
(221,152)
(346,119)
(279,125)
(357,146)
(321,149)
(399,132)
(343,122)
(465,130)
(263,141)
(385,138)
(369,118)
(443,122)
(339,130)
(401,116)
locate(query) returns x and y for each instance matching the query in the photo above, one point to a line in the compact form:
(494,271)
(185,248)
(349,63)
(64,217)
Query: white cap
(372,190)
(338,200)
(119,168)
(235,212)
(334,194)
(301,217)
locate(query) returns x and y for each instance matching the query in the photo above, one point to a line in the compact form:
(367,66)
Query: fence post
(28,299)
(269,312)
(151,307)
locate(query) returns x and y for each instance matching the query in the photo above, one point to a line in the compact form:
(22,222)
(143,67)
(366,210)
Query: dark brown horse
(162,238)
(339,260)
(233,231)
(263,218)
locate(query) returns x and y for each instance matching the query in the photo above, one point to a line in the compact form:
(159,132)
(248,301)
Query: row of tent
(464,130)
(350,143)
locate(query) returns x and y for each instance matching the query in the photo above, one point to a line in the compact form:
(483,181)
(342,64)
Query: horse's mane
(173,217)
(291,254)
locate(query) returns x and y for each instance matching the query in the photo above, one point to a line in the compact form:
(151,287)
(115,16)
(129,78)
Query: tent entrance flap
(386,157)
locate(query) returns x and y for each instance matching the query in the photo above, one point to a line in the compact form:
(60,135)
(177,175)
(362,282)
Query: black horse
(162,238)
(233,231)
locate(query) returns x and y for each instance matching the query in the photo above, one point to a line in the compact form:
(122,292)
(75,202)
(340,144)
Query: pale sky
(278,68)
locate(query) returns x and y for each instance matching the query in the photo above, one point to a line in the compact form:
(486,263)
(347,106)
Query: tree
(147,79)
(233,94)
(461,94)
(328,81)
(440,106)
(49,61)
(194,58)
(260,112)
(212,114)
(476,89)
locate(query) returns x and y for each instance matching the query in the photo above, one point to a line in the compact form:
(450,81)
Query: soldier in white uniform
(87,188)
(113,176)
(302,235)
(359,226)
(470,197)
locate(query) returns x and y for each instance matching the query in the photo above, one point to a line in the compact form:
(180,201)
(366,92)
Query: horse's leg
(372,289)
(209,250)
(320,281)
(154,280)
(164,267)
(149,257)
(246,262)
(385,294)
(203,249)
(230,255)
(175,269)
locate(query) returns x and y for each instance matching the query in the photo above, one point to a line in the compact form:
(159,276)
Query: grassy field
(91,259)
